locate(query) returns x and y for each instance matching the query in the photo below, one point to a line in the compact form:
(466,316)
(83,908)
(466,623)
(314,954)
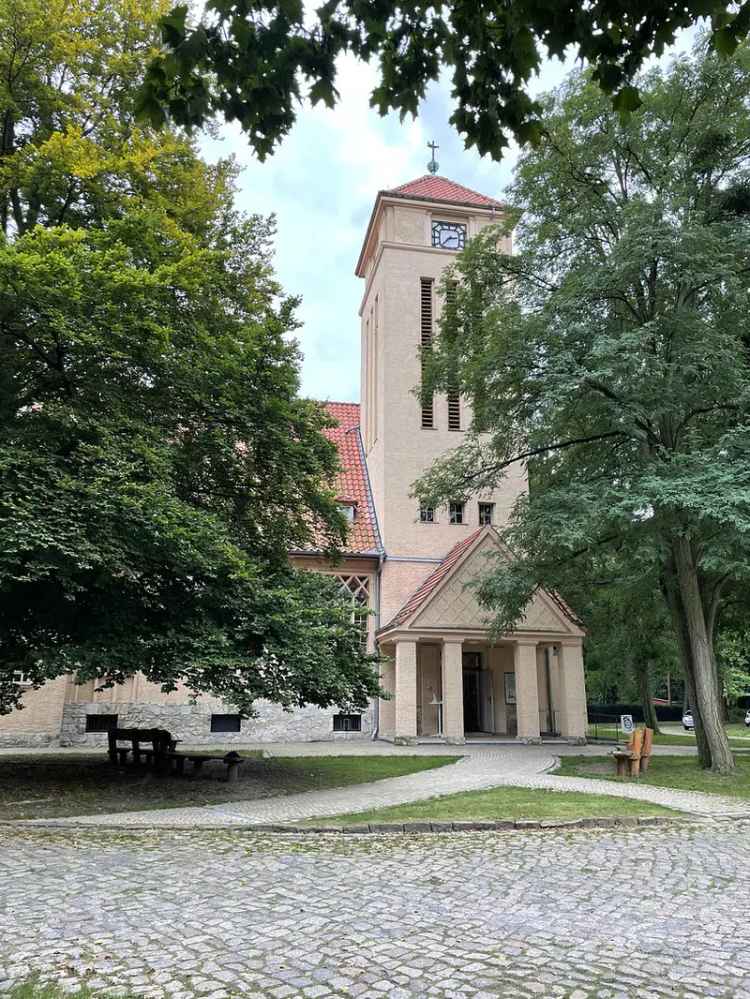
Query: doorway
(472,667)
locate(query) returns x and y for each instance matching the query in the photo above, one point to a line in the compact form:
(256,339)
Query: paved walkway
(598,914)
(482,767)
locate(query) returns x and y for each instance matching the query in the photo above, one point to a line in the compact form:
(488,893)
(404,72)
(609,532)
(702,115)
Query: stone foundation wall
(192,723)
(20,737)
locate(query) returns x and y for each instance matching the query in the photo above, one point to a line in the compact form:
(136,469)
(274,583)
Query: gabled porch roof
(446,602)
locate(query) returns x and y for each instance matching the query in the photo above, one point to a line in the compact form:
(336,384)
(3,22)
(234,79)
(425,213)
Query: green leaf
(627,100)
(725,41)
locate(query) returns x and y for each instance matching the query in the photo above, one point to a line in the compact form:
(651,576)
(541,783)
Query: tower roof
(430,187)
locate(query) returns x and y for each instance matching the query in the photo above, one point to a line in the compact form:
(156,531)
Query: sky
(321,184)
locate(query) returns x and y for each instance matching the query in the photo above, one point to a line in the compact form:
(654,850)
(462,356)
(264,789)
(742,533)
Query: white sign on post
(626,724)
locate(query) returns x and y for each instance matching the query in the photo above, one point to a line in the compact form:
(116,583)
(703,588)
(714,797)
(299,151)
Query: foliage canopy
(611,352)
(253,60)
(156,461)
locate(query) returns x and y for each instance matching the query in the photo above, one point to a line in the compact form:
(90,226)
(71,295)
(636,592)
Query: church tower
(414,233)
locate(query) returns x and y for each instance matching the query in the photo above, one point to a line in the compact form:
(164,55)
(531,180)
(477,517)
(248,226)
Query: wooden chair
(628,760)
(648,742)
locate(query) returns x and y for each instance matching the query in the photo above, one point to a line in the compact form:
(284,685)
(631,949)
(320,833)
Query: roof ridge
(438,176)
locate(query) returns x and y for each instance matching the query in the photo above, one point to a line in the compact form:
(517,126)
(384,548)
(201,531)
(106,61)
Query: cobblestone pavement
(482,767)
(604,914)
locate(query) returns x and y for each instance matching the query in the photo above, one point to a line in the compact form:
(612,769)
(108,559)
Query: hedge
(608,712)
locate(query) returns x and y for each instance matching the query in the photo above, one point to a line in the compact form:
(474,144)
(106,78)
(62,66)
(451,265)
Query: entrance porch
(524,687)
(448,678)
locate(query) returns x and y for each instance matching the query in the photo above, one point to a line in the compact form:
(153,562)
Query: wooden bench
(231,760)
(636,755)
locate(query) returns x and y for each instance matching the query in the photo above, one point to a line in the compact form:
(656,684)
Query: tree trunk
(643,676)
(674,602)
(701,654)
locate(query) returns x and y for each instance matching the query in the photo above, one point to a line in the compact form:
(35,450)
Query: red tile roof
(433,188)
(420,595)
(427,188)
(353,483)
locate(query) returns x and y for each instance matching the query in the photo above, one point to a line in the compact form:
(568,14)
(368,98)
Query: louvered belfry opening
(426,287)
(454,411)
(454,400)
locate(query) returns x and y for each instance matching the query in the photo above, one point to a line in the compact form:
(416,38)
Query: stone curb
(391,828)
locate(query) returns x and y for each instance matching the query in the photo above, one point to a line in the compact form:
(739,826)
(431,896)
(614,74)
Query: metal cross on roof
(433,166)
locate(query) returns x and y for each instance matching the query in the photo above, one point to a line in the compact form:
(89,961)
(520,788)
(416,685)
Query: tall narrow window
(371,379)
(454,400)
(375,370)
(454,411)
(428,415)
(367,388)
(358,588)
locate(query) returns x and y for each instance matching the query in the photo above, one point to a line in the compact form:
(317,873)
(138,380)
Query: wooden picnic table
(158,748)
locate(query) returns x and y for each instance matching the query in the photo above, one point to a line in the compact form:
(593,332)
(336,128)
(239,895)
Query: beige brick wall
(398,581)
(40,715)
(401,450)
(573,690)
(406,690)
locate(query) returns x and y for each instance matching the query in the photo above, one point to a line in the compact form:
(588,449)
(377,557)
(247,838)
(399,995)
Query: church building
(448,678)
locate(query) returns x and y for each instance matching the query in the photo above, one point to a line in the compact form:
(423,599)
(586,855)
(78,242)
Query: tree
(733,657)
(630,646)
(71,150)
(156,460)
(247,59)
(611,352)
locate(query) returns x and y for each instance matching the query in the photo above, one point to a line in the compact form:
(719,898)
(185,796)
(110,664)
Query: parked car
(747,717)
(688,724)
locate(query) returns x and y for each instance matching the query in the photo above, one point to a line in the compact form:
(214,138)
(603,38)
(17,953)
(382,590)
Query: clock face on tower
(449,235)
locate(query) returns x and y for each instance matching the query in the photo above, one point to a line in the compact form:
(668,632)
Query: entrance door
(472,662)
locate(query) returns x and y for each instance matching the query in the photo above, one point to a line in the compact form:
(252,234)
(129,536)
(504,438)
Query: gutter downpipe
(376,726)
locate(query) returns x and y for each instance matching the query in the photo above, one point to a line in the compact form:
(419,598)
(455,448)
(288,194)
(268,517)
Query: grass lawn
(738,736)
(52,786)
(501,803)
(680,772)
(738,731)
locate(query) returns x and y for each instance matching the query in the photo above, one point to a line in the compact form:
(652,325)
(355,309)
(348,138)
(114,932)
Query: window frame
(456,513)
(349,716)
(432,519)
(94,722)
(224,731)
(348,510)
(426,333)
(491,508)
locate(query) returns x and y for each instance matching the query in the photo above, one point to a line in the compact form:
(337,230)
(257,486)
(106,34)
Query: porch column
(527,691)
(453,692)
(572,691)
(406,692)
